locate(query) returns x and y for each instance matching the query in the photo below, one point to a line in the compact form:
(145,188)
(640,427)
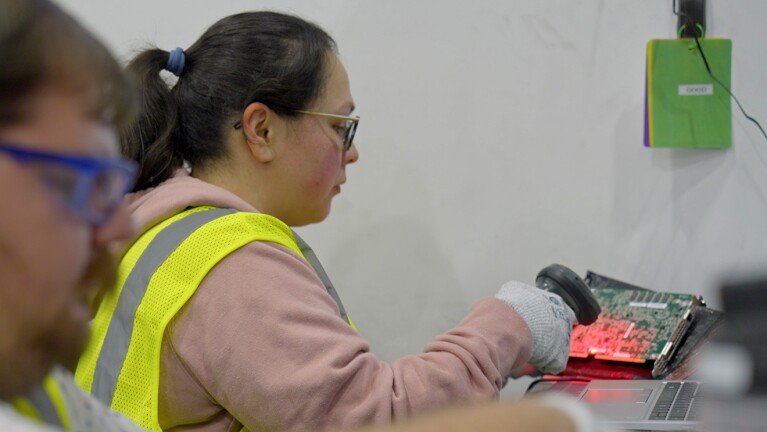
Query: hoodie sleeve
(263,339)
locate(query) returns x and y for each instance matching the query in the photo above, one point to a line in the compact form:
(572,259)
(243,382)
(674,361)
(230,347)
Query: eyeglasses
(346,132)
(90,187)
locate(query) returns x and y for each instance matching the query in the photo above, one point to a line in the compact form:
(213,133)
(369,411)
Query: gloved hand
(550,320)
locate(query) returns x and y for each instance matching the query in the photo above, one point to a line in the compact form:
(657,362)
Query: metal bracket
(692,18)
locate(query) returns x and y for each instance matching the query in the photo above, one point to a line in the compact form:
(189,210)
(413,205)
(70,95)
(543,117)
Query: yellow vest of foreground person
(159,273)
(46,404)
(60,404)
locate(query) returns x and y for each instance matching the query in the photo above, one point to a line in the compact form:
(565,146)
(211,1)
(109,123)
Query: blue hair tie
(176,60)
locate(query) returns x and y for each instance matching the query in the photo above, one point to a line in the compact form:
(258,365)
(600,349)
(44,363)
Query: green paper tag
(684,106)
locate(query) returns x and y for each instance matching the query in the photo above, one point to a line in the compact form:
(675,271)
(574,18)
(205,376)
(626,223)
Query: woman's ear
(258,123)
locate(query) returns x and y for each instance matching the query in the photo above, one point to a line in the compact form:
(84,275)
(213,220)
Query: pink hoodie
(262,344)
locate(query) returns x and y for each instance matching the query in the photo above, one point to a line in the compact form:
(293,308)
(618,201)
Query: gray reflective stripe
(117,341)
(44,405)
(315,263)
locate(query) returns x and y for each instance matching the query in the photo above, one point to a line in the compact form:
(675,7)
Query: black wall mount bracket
(691,17)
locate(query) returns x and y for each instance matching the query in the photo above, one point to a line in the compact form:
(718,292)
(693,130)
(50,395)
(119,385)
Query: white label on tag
(696,89)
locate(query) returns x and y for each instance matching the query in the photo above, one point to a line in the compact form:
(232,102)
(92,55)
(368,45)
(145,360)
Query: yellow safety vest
(45,404)
(159,273)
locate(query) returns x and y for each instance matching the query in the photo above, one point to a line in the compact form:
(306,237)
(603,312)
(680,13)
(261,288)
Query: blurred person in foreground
(62,99)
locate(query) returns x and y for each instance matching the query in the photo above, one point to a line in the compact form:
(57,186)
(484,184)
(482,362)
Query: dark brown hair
(40,45)
(276,59)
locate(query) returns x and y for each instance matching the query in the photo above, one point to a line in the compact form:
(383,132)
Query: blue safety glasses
(90,187)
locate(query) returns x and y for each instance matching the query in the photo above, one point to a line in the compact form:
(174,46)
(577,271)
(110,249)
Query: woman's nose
(352,155)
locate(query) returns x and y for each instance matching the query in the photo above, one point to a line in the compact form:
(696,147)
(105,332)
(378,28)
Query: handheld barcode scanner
(565,283)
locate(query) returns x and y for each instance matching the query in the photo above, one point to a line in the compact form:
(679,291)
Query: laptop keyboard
(677,401)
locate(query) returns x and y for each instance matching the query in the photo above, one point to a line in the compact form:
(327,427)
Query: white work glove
(550,320)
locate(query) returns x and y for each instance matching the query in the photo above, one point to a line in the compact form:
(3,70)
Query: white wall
(500,136)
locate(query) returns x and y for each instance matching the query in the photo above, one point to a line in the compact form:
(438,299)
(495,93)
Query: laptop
(653,405)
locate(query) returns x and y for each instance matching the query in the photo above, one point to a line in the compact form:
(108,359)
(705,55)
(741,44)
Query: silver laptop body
(653,405)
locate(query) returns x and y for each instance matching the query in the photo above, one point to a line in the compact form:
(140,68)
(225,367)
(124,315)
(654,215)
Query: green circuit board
(635,326)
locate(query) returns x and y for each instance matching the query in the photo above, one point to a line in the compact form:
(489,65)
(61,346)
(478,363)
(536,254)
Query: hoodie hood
(150,206)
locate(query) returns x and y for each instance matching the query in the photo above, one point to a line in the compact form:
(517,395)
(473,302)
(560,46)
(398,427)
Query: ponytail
(151,138)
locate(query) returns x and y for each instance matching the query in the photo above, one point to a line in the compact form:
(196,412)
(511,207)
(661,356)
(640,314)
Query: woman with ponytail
(223,318)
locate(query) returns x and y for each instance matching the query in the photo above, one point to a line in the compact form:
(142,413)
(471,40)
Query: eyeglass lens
(91,195)
(351,129)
